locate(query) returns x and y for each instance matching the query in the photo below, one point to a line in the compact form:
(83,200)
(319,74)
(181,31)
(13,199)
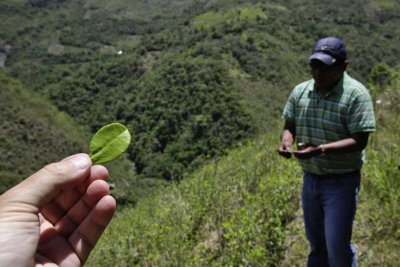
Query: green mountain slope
(193,80)
(165,67)
(232,212)
(242,209)
(34,133)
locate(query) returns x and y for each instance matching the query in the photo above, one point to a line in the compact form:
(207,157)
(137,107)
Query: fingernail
(81,161)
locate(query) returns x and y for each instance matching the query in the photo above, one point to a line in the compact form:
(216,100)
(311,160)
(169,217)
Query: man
(56,216)
(330,117)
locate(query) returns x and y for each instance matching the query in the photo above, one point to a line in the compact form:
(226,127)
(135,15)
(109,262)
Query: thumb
(45,184)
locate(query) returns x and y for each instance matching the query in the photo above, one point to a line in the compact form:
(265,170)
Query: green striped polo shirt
(321,119)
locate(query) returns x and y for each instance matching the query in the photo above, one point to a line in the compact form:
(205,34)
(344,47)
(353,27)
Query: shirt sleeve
(289,112)
(361,114)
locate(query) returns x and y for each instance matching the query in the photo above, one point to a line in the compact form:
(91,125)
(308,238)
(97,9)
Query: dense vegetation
(232,212)
(235,211)
(190,82)
(34,133)
(196,82)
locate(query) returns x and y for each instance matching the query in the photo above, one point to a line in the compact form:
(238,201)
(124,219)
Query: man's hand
(287,139)
(307,152)
(284,149)
(56,215)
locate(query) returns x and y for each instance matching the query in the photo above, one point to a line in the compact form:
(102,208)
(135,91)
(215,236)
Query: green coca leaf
(109,143)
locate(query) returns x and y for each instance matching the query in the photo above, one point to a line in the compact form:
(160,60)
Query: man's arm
(287,139)
(357,142)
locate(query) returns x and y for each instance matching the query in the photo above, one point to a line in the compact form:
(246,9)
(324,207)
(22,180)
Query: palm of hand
(307,152)
(65,230)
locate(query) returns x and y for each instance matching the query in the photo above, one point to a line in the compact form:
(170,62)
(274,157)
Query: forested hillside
(201,86)
(189,78)
(241,210)
(34,133)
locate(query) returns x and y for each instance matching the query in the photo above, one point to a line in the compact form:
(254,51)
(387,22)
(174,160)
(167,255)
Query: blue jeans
(329,205)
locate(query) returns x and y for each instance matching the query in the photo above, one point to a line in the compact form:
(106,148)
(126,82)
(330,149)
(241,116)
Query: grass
(232,212)
(386,3)
(215,19)
(244,210)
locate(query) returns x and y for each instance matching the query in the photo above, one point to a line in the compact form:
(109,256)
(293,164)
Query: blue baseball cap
(329,50)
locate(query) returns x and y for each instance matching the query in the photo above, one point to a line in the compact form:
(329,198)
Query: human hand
(307,151)
(56,216)
(284,149)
